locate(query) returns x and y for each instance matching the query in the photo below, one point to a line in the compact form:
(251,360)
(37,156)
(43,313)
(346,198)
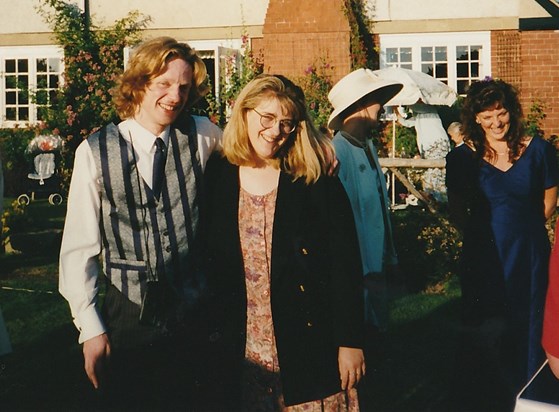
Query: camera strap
(151,276)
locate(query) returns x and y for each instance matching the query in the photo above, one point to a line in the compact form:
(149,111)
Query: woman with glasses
(282,262)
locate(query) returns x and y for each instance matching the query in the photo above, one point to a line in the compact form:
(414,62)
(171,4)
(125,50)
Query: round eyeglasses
(286,126)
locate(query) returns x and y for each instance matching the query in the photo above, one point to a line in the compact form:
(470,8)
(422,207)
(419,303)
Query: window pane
(23,82)
(461,52)
(23,97)
(474,67)
(10,113)
(11,82)
(392,55)
(440,54)
(52,96)
(22,65)
(406,66)
(54,65)
(11,98)
(426,54)
(42,97)
(462,85)
(462,69)
(53,81)
(427,68)
(42,81)
(10,66)
(441,70)
(41,65)
(23,113)
(476,51)
(405,54)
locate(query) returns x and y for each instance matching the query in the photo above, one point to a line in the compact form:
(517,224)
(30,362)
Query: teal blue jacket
(366,189)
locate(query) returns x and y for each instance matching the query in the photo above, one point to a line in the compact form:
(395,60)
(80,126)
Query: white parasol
(418,86)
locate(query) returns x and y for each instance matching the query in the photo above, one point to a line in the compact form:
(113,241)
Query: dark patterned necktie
(159,166)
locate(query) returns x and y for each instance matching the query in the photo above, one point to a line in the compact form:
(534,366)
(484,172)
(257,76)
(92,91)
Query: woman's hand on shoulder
(351,363)
(332,164)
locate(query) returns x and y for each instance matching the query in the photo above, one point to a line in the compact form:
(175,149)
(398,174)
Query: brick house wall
(297,33)
(506,56)
(540,74)
(530,61)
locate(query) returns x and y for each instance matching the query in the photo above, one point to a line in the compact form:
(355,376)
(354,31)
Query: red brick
(305,35)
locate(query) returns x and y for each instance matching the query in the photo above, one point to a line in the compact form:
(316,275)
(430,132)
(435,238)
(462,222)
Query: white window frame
(30,53)
(217,49)
(208,49)
(449,40)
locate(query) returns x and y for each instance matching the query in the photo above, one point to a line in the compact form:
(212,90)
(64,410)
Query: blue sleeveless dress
(517,221)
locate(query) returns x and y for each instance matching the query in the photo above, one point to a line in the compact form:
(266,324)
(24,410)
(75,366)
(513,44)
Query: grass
(416,357)
(412,370)
(44,372)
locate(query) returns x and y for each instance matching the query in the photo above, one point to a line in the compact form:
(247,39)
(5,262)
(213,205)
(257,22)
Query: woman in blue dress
(510,192)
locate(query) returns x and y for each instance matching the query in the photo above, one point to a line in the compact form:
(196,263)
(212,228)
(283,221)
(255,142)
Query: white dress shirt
(81,240)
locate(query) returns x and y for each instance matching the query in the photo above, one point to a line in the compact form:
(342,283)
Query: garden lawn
(417,354)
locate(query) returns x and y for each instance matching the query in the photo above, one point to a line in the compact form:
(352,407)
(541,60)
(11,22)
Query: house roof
(543,23)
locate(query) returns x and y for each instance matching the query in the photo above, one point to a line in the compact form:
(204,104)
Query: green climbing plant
(93,60)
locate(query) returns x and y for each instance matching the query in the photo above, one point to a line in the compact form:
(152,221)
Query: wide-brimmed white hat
(354,87)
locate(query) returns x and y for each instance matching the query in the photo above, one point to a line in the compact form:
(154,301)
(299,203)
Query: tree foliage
(316,83)
(93,60)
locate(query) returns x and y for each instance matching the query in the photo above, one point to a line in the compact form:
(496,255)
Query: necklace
(506,152)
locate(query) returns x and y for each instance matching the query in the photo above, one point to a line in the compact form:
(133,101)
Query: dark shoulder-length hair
(491,94)
(148,61)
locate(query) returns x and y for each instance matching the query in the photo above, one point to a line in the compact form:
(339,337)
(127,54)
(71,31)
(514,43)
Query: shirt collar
(142,137)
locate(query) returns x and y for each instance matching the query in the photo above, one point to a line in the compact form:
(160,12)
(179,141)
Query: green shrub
(406,141)
(93,60)
(316,83)
(535,117)
(428,248)
(15,161)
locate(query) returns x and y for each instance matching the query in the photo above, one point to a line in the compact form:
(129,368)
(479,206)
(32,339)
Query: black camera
(153,310)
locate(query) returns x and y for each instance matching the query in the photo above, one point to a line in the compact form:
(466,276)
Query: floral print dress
(261,384)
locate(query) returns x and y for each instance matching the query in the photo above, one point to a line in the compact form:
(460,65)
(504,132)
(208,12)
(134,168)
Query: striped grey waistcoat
(143,238)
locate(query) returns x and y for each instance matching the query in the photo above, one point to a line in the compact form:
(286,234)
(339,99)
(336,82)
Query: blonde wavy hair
(303,155)
(149,61)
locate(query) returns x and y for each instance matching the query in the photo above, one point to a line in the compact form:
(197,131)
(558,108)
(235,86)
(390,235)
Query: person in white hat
(357,100)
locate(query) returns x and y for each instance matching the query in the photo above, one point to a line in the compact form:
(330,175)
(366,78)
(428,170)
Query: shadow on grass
(45,370)
(412,365)
(427,361)
(14,264)
(46,375)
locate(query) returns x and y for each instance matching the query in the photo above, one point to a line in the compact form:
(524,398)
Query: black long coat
(316,283)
